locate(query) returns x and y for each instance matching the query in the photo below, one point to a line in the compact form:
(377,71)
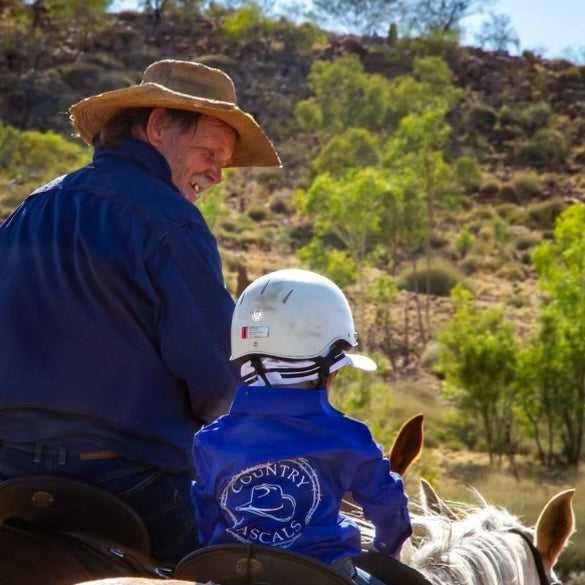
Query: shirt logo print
(261,503)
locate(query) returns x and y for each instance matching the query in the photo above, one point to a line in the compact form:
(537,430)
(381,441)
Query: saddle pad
(241,564)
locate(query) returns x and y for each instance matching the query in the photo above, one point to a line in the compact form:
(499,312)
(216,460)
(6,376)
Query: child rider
(274,470)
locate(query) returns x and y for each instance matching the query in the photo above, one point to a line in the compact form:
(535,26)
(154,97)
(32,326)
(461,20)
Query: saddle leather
(241,564)
(66,505)
(31,559)
(389,569)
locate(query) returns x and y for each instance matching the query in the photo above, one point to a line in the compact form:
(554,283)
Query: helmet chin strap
(259,367)
(325,362)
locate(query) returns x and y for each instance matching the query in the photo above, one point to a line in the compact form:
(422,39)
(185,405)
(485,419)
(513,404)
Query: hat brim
(252,148)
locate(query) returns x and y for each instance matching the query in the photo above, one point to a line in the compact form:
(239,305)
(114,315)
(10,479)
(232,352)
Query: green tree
(353,148)
(541,378)
(345,96)
(349,208)
(415,154)
(560,264)
(478,358)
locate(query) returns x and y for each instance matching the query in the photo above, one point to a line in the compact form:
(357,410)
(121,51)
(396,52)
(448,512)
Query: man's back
(91,341)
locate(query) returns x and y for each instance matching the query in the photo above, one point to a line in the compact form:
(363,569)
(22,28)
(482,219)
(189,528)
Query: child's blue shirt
(274,470)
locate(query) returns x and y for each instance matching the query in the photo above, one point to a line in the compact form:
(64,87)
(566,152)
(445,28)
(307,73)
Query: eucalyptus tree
(497,33)
(478,357)
(350,208)
(560,264)
(438,18)
(541,379)
(357,16)
(415,153)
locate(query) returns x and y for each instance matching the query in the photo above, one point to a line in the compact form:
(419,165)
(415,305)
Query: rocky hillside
(45,70)
(517,115)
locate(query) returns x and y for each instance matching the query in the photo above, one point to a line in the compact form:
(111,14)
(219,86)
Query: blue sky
(552,28)
(549,27)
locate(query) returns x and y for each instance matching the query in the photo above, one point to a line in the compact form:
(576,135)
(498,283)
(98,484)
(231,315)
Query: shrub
(258,213)
(571,76)
(527,185)
(490,187)
(542,215)
(527,242)
(512,272)
(545,149)
(508,193)
(281,206)
(501,230)
(245,22)
(482,214)
(437,279)
(303,37)
(517,302)
(507,116)
(470,265)
(81,75)
(464,241)
(578,155)
(536,116)
(509,212)
(481,117)
(113,80)
(468,173)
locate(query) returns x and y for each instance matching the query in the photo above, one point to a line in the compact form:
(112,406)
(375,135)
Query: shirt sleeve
(194,319)
(380,493)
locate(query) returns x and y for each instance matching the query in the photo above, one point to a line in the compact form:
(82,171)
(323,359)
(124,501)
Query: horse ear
(554,527)
(432,502)
(407,444)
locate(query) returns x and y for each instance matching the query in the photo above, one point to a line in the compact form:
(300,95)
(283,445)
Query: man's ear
(155,126)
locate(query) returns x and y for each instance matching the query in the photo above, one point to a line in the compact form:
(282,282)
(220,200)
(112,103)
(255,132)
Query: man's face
(197,156)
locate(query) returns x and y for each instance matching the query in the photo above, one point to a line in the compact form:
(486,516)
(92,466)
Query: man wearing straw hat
(114,316)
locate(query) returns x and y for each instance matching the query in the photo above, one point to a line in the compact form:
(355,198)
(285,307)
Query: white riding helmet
(292,314)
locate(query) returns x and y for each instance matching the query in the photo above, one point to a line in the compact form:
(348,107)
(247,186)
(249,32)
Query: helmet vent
(264,287)
(290,292)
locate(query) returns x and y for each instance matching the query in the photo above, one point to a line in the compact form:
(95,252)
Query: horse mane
(468,543)
(473,545)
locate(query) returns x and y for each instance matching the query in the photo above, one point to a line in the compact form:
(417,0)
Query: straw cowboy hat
(182,85)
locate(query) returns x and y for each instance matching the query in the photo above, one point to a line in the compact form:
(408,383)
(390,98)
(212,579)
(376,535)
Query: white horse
(483,544)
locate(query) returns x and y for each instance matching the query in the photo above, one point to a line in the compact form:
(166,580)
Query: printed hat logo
(270,503)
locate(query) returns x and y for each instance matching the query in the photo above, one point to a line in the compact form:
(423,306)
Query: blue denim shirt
(275,469)
(114,316)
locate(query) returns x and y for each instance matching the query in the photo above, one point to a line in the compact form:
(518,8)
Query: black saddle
(243,564)
(68,531)
(66,505)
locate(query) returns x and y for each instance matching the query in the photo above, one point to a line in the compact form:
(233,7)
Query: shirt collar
(139,153)
(281,401)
